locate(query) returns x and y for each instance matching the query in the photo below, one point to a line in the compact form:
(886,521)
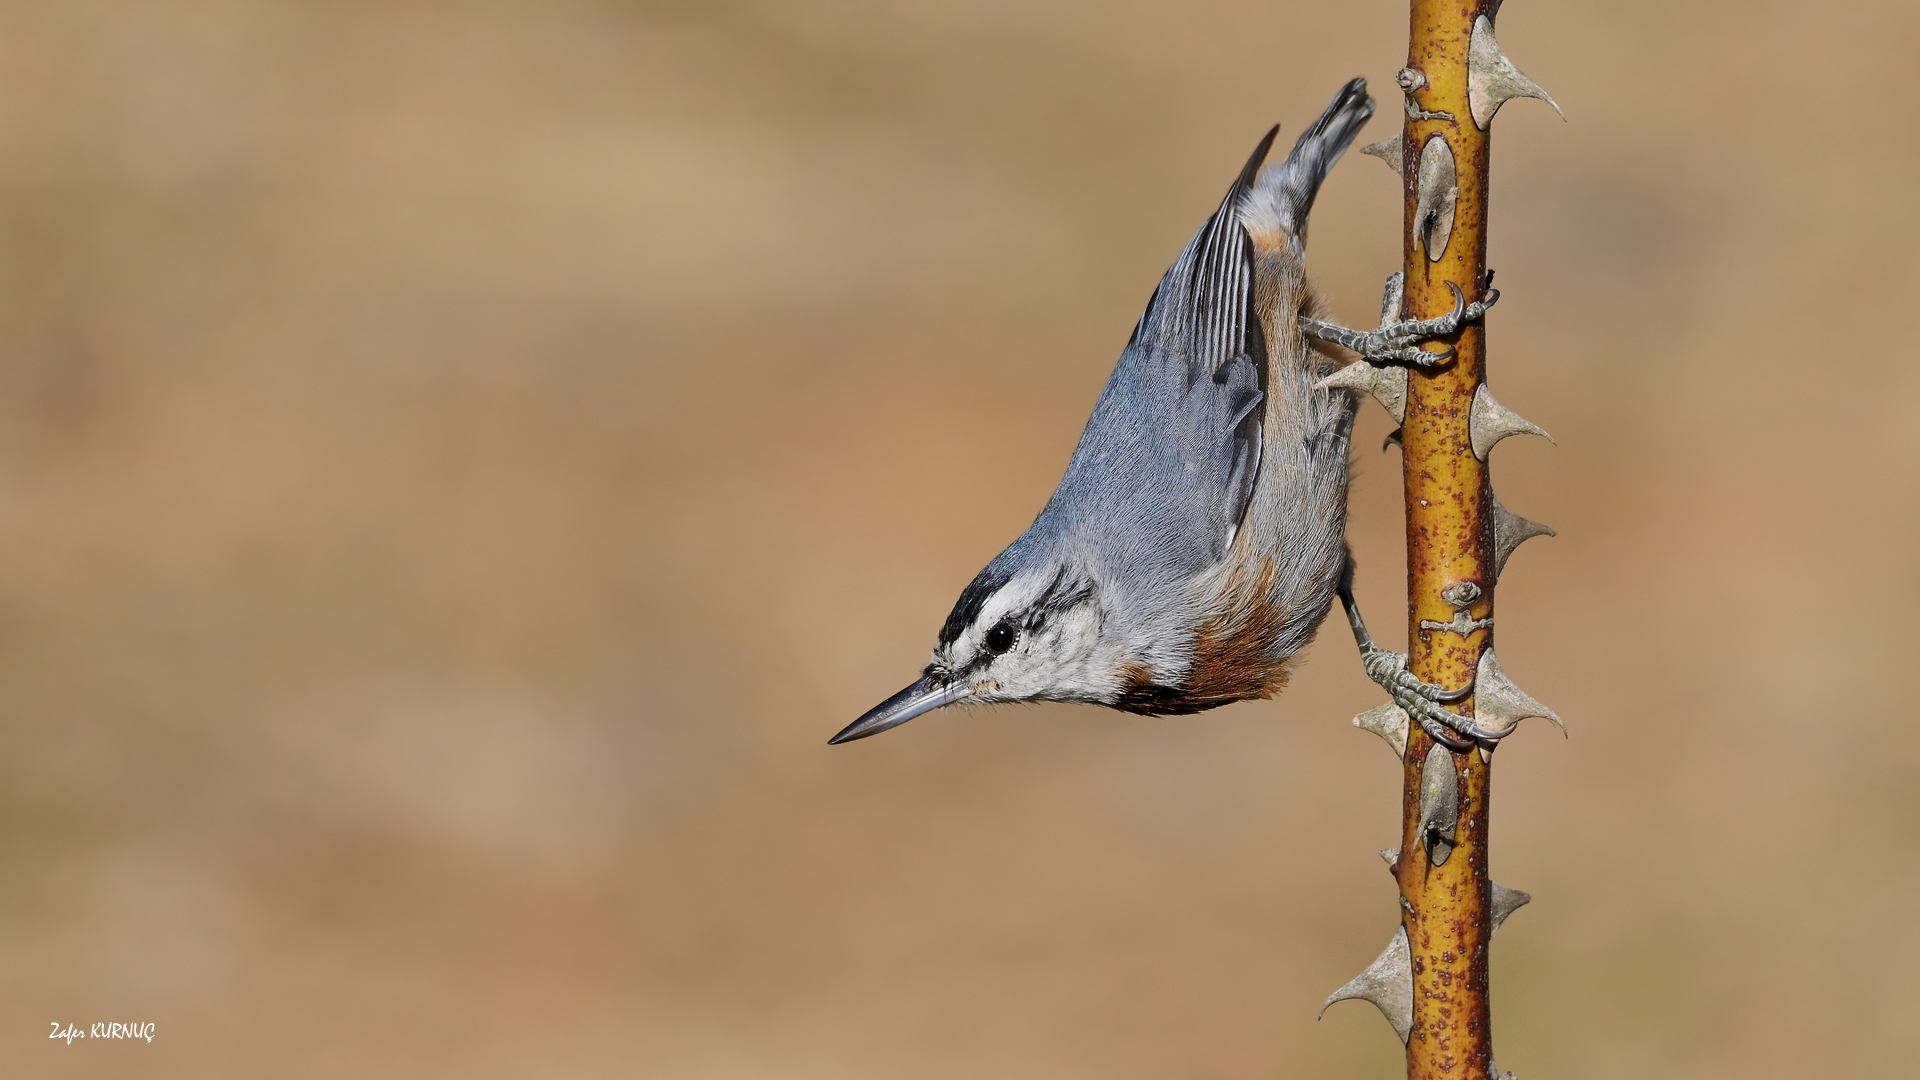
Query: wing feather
(1202,323)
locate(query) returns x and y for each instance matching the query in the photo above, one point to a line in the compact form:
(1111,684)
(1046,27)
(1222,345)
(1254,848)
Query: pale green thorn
(1492,80)
(1388,983)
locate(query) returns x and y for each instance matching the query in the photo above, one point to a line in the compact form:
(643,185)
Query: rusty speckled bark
(1447,908)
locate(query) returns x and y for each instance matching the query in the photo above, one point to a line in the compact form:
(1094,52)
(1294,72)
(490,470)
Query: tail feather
(1286,190)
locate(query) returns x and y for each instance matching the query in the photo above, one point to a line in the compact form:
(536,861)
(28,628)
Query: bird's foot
(1423,700)
(1398,340)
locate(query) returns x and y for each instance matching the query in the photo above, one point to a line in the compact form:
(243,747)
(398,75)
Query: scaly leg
(1400,341)
(1421,700)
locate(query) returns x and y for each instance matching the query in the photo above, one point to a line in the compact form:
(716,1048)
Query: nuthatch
(1198,537)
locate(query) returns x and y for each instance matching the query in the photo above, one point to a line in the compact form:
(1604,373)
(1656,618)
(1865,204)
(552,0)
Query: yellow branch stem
(1446,908)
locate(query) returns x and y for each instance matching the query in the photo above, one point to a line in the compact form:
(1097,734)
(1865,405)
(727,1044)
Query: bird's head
(1024,630)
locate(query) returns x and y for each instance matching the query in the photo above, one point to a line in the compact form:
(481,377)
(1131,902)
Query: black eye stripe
(972,599)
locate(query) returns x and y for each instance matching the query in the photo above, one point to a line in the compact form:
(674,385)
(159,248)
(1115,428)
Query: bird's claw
(1399,341)
(1423,700)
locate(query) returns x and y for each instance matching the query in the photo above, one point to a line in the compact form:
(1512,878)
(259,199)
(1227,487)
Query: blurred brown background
(459,462)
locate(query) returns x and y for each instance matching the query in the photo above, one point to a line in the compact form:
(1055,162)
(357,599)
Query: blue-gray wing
(1168,460)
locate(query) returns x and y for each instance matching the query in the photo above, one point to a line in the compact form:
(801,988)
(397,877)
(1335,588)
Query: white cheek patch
(1065,660)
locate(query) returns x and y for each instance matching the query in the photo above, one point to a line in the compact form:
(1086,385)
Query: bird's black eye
(1000,638)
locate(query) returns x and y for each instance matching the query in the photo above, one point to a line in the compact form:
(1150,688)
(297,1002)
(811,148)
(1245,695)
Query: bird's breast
(1232,650)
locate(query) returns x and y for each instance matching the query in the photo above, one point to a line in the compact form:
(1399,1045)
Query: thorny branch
(1432,980)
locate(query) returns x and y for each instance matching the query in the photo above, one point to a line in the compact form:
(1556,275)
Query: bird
(1198,537)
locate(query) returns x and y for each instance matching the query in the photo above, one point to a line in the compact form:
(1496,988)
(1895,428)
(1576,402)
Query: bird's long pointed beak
(923,696)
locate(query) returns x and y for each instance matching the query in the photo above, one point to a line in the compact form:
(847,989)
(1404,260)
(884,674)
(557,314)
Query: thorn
(1489,422)
(1387,384)
(1510,530)
(1391,297)
(1492,80)
(1388,150)
(1439,803)
(1389,721)
(1498,705)
(1388,983)
(1437,190)
(1505,902)
(1392,856)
